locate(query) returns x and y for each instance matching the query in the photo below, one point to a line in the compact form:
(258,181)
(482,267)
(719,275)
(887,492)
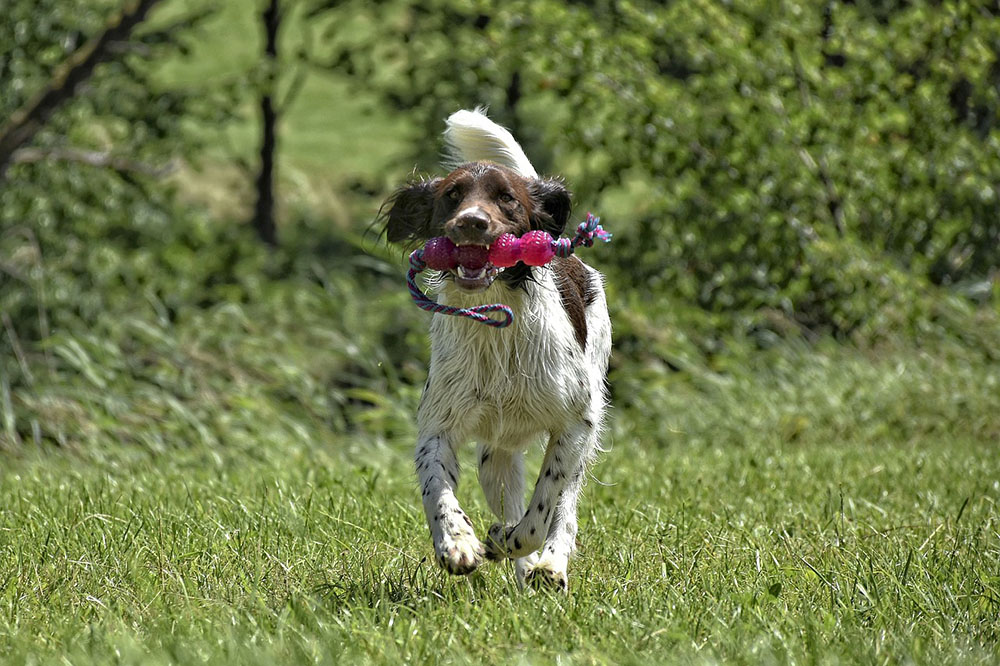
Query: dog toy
(535,248)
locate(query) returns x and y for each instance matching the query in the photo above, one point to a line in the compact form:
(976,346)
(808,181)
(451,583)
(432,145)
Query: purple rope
(586,232)
(417,264)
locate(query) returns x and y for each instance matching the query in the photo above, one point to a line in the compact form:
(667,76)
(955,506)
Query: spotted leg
(501,474)
(458,550)
(560,474)
(549,570)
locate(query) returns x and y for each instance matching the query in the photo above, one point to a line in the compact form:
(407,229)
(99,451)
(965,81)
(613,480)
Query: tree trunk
(263,219)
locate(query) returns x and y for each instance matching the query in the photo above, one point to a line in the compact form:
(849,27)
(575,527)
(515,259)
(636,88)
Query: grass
(738,517)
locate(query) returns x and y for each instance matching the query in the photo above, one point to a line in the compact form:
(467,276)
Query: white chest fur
(506,386)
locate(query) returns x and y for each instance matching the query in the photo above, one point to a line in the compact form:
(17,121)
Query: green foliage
(36,37)
(149,319)
(770,156)
(120,106)
(71,233)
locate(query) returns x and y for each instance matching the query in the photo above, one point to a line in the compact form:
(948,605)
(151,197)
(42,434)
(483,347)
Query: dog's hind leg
(551,511)
(458,550)
(501,474)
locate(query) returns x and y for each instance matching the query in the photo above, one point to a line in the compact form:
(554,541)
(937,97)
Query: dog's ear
(552,205)
(407,213)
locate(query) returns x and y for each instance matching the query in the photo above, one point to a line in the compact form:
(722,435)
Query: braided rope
(586,232)
(478,312)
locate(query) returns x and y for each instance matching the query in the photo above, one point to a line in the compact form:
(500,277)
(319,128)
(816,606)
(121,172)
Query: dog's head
(474,205)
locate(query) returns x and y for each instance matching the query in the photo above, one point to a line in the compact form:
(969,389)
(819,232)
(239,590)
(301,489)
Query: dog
(505,388)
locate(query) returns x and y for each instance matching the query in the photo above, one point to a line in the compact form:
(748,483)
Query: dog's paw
(499,542)
(460,554)
(545,576)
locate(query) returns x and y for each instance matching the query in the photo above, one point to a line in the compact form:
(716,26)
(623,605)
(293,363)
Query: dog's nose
(473,220)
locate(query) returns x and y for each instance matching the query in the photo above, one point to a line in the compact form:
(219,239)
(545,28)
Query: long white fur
(472,137)
(507,389)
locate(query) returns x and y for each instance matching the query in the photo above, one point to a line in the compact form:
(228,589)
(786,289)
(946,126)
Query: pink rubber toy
(439,253)
(536,248)
(505,251)
(471,256)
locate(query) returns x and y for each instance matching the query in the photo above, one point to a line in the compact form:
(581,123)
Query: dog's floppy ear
(552,205)
(409,210)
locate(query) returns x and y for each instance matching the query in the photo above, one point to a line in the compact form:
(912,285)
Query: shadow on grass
(412,587)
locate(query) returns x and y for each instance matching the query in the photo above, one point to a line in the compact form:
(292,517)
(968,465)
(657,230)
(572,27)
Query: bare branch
(92,158)
(22,126)
(263,218)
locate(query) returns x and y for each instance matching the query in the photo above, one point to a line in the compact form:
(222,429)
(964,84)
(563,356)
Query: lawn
(804,509)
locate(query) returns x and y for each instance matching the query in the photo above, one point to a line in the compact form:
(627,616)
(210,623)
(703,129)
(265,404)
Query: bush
(788,157)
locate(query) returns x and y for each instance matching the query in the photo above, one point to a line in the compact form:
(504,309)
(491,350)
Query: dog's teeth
(471,274)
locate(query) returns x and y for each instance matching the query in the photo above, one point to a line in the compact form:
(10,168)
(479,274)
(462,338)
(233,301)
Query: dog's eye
(452,194)
(505,197)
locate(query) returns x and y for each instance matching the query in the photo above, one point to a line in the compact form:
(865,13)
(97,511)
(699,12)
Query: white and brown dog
(505,388)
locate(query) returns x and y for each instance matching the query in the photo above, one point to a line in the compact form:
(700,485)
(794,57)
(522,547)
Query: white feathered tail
(472,137)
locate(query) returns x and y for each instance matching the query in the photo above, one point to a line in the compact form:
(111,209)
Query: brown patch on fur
(576,291)
(498,195)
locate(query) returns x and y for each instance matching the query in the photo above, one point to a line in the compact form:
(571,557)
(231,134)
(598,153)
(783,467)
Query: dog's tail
(470,137)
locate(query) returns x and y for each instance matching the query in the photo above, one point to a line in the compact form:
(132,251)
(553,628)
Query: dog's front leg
(458,550)
(550,567)
(561,470)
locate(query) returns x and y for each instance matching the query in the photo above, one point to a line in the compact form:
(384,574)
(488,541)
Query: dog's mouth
(476,279)
(474,271)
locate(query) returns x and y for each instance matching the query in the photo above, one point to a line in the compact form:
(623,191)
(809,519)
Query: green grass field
(806,509)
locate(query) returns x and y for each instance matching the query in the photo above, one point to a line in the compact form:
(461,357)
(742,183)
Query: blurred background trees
(771,155)
(771,170)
